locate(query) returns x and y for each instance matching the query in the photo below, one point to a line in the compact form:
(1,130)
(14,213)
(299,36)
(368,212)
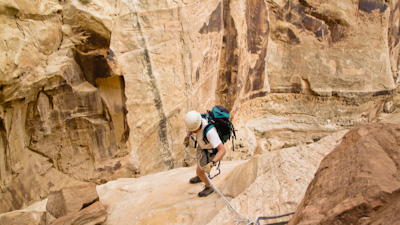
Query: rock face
(274,183)
(269,184)
(62,100)
(364,162)
(76,205)
(26,218)
(321,69)
(94,214)
(71,199)
(358,182)
(91,91)
(168,53)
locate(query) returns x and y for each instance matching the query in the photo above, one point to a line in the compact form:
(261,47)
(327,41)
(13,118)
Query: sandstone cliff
(356,183)
(92,91)
(269,184)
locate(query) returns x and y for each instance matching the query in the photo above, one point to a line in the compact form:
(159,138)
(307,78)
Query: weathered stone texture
(358,182)
(25,218)
(328,67)
(273,183)
(346,47)
(71,199)
(94,214)
(168,52)
(56,117)
(96,90)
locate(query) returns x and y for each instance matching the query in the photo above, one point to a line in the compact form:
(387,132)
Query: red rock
(358,182)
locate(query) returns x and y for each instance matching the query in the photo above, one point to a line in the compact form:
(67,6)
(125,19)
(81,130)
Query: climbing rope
(242,219)
(190,156)
(272,217)
(200,156)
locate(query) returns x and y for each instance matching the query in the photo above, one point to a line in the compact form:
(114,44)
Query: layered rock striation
(358,182)
(91,91)
(63,116)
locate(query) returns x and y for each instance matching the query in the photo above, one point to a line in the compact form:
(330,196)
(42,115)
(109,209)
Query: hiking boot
(206,192)
(194,180)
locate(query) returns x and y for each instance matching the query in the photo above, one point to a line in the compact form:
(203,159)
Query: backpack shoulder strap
(210,124)
(206,129)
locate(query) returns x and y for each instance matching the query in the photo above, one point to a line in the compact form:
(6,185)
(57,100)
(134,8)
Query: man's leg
(202,175)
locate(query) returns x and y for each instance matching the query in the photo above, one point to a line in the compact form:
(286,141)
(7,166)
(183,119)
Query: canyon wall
(91,91)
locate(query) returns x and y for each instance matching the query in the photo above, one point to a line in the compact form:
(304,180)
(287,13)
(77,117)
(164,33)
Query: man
(213,151)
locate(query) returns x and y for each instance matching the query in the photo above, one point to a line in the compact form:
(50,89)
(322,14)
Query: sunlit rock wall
(328,66)
(169,52)
(95,90)
(62,100)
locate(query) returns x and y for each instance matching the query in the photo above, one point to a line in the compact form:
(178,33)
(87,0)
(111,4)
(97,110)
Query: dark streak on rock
(394,28)
(384,92)
(371,5)
(257,25)
(162,128)
(228,86)
(4,142)
(257,40)
(215,21)
(197,74)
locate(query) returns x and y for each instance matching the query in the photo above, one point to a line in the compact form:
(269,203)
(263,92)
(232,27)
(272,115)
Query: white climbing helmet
(193,120)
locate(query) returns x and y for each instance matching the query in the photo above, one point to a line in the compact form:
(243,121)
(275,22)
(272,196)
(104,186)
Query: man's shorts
(206,153)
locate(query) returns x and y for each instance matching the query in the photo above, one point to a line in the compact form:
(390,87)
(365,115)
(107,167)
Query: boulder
(94,214)
(358,182)
(71,199)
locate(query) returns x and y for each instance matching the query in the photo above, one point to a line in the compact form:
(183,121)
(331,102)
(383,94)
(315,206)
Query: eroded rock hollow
(92,91)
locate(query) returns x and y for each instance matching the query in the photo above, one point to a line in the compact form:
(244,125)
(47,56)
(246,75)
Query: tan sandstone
(358,182)
(71,199)
(93,91)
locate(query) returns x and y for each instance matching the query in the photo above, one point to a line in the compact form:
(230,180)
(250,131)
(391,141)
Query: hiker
(213,151)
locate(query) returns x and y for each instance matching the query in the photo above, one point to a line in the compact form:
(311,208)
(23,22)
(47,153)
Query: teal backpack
(218,117)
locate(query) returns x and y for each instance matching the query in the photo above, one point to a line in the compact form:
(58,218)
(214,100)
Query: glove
(186,142)
(208,167)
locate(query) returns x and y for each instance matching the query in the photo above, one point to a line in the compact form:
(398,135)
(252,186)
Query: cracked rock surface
(92,91)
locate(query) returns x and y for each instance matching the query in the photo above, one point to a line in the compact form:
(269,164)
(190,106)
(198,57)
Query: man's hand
(186,142)
(208,167)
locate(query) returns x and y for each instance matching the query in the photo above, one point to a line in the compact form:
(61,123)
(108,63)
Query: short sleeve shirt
(212,137)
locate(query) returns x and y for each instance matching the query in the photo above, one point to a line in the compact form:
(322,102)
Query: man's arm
(221,152)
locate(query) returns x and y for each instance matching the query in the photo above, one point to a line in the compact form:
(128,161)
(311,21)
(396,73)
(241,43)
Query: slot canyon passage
(93,95)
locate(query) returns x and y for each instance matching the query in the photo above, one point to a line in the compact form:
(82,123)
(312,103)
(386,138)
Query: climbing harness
(242,219)
(200,156)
